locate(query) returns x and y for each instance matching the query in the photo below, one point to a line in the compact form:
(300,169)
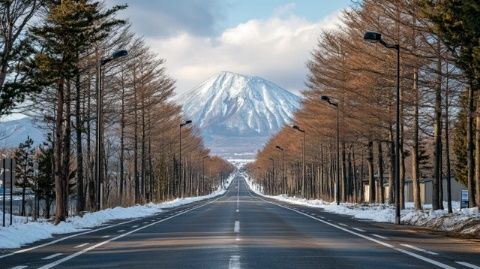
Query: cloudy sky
(199,38)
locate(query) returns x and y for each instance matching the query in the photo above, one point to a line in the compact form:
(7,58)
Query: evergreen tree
(70,29)
(45,184)
(24,168)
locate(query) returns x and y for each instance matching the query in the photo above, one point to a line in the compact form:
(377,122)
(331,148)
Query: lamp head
(372,37)
(325,98)
(188,122)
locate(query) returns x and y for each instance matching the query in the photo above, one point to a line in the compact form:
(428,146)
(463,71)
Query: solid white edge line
(71,256)
(380,236)
(419,249)
(19,267)
(52,256)
(425,259)
(469,265)
(81,245)
(64,238)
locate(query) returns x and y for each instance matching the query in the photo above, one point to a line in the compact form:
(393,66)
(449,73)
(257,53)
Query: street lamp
(180,153)
(374,37)
(303,158)
(284,181)
(273,175)
(328,99)
(99,122)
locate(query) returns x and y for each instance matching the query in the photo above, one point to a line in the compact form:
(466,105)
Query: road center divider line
(60,261)
(425,259)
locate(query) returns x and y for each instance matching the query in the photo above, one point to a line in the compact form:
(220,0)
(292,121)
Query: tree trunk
(78,130)
(415,162)
(380,172)
(438,140)
(371,176)
(470,156)
(59,190)
(447,146)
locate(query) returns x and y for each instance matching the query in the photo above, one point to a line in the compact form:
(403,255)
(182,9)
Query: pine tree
(24,168)
(71,28)
(45,184)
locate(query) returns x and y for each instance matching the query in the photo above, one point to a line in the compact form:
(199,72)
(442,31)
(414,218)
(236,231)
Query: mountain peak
(235,105)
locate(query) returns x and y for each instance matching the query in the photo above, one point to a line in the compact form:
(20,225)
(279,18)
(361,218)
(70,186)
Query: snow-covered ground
(464,221)
(23,231)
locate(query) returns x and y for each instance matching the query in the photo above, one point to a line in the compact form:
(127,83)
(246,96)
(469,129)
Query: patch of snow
(464,221)
(23,231)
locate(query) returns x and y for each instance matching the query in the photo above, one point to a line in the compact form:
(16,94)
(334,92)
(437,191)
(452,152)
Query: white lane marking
(358,229)
(419,249)
(380,236)
(469,265)
(234,262)
(81,245)
(134,226)
(236,228)
(321,217)
(425,259)
(106,236)
(71,256)
(238,210)
(52,256)
(120,231)
(343,224)
(63,238)
(19,267)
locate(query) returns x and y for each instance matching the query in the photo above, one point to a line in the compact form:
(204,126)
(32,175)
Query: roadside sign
(464,199)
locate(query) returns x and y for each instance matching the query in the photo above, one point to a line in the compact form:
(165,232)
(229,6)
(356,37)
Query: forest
(116,136)
(351,92)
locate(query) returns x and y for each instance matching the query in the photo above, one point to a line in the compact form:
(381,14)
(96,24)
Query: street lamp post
(182,188)
(328,99)
(284,181)
(303,158)
(273,175)
(99,122)
(374,37)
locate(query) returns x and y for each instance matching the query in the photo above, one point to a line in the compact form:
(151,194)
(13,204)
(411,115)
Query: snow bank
(23,232)
(464,221)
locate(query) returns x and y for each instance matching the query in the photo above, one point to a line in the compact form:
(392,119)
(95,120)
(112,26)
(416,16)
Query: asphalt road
(243,230)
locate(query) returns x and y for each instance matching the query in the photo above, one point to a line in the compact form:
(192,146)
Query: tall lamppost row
(99,122)
(303,157)
(374,37)
(187,122)
(328,99)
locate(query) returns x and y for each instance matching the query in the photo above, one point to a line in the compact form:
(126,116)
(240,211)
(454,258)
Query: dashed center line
(106,236)
(19,267)
(81,245)
(469,265)
(343,224)
(120,231)
(359,230)
(234,262)
(52,256)
(236,228)
(134,226)
(419,249)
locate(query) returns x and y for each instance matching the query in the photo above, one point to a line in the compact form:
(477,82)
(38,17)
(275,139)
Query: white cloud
(276,49)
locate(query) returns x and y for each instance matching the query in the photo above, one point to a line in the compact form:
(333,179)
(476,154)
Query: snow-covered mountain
(236,113)
(14,132)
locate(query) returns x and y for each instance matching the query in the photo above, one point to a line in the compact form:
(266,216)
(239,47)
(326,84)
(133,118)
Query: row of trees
(140,149)
(439,91)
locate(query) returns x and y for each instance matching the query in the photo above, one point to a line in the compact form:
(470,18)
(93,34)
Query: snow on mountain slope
(231,105)
(14,132)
